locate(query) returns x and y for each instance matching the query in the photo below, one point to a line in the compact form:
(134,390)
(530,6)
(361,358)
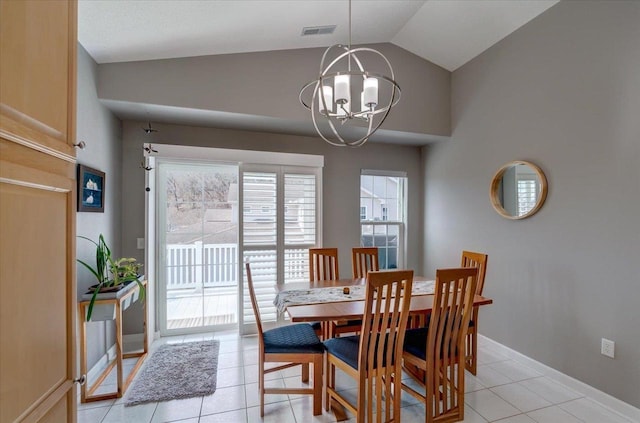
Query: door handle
(81,380)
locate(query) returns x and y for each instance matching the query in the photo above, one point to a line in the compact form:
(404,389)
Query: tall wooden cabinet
(37,210)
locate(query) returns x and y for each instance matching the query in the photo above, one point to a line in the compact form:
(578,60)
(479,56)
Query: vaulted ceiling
(448,33)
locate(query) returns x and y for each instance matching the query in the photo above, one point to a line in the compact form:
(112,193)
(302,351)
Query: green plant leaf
(100,271)
(92,302)
(91,269)
(142,290)
(88,239)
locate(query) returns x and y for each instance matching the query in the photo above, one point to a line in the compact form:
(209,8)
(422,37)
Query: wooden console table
(118,301)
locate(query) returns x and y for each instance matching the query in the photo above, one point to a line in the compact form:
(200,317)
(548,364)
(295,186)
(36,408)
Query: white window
(384,193)
(520,189)
(363,213)
(277,245)
(527,194)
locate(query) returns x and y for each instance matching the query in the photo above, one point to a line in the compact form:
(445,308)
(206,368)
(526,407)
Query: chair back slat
(364,259)
(452,305)
(387,301)
(479,261)
(254,301)
(323,264)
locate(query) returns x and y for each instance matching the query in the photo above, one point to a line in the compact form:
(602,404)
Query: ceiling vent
(318,30)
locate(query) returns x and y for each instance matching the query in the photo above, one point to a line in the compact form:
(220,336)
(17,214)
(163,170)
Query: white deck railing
(198,265)
(201,265)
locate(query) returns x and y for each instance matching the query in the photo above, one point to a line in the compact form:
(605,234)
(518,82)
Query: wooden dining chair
(293,345)
(437,351)
(479,261)
(364,259)
(373,357)
(323,264)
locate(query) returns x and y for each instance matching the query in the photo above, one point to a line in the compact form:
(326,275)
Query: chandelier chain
(349,35)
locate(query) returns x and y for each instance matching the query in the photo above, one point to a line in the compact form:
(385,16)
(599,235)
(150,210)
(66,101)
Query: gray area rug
(176,371)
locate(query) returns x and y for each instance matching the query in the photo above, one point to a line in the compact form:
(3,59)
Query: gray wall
(563,92)
(341,181)
(267,84)
(101,130)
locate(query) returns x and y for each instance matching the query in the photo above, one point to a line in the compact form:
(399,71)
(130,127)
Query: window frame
(400,224)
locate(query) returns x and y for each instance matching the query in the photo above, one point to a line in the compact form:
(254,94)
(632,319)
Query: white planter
(102,312)
(127,302)
(107,311)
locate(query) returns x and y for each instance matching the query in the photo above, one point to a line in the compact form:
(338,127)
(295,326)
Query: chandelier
(337,109)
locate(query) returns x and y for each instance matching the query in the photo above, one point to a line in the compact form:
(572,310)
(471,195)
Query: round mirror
(518,190)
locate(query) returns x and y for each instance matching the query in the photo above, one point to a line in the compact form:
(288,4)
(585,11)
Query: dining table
(323,301)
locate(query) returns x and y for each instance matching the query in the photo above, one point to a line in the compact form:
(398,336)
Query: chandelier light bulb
(327,94)
(370,93)
(343,91)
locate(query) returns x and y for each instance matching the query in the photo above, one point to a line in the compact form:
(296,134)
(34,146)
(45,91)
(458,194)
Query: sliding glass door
(198,246)
(209,210)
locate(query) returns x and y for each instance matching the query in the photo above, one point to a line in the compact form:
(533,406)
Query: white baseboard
(615,405)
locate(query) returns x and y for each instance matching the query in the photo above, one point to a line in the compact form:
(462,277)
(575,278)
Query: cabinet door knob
(81,145)
(81,380)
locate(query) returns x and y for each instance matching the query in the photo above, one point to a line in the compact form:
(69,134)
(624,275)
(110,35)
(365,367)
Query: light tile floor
(503,391)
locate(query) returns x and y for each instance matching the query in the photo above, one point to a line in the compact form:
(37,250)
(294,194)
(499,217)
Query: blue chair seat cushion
(316,325)
(415,342)
(346,348)
(291,339)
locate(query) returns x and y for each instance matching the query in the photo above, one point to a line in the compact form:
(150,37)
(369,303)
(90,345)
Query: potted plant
(111,274)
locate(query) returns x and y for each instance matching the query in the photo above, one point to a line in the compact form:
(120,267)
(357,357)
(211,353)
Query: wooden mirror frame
(497,178)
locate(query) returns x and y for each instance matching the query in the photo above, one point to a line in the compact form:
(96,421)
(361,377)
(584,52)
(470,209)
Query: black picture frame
(90,189)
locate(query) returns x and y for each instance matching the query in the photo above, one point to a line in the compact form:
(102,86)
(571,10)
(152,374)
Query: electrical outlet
(140,243)
(608,348)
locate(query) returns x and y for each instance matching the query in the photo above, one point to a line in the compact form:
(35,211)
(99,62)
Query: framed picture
(90,189)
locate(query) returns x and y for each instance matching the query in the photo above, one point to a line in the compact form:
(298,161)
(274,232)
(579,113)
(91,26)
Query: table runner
(335,294)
